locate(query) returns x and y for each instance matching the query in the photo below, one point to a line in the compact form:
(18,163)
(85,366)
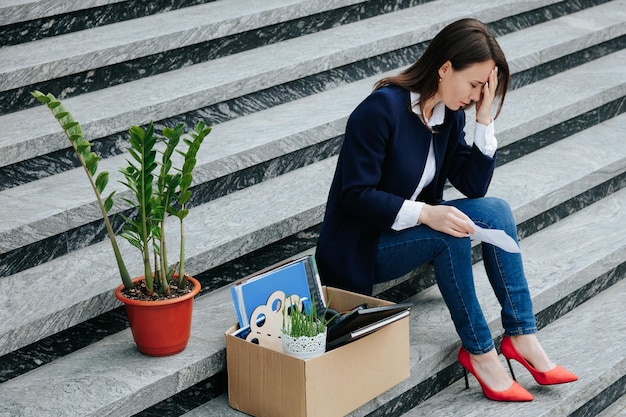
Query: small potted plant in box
(159,304)
(303,332)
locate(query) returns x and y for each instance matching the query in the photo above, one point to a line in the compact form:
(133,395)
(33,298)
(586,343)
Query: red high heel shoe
(515,393)
(558,375)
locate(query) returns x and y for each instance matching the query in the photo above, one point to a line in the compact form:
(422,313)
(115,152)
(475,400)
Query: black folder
(361,322)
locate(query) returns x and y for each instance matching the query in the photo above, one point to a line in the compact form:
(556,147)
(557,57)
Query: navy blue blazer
(381,161)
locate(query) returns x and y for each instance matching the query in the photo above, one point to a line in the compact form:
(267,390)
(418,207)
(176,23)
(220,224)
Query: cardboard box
(267,383)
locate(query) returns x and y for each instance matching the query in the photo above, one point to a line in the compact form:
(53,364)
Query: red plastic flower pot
(160,328)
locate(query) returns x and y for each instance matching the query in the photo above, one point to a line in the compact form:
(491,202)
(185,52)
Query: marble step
(25,21)
(615,409)
(215,315)
(223,230)
(57,161)
(114,109)
(17,11)
(280,133)
(32,310)
(46,59)
(294,19)
(554,277)
(580,341)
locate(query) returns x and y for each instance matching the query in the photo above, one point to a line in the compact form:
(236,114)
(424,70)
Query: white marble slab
(433,340)
(545,178)
(54,57)
(576,31)
(13,11)
(116,108)
(282,129)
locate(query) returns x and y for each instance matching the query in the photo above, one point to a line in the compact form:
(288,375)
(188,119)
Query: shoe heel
(515,393)
(511,369)
(466,379)
(557,375)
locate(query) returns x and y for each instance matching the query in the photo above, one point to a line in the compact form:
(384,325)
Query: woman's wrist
(484,121)
(423,217)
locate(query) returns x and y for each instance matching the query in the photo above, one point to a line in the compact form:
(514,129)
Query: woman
(385,214)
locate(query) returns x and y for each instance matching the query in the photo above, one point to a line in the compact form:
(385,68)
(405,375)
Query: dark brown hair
(463,43)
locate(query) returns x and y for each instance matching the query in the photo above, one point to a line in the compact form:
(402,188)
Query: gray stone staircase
(277,79)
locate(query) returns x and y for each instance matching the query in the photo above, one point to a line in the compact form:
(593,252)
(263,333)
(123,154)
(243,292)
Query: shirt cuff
(485,139)
(408,215)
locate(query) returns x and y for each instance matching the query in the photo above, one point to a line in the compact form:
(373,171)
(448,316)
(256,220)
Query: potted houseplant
(303,331)
(158,189)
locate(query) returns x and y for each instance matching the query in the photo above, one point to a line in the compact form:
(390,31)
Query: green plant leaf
(40,97)
(189,165)
(184,197)
(108,202)
(102,180)
(82,147)
(136,156)
(185,181)
(91,162)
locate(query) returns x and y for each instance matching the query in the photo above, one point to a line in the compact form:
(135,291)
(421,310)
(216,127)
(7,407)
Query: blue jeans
(402,251)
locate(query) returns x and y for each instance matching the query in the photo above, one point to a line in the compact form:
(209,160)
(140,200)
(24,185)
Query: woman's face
(458,89)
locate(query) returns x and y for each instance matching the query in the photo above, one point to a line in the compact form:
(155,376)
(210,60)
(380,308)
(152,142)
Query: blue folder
(290,278)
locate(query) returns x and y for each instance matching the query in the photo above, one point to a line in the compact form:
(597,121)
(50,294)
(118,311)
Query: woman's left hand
(483,106)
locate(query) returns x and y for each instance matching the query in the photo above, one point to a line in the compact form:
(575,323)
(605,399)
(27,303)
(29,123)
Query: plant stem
(182,277)
(126,279)
(57,110)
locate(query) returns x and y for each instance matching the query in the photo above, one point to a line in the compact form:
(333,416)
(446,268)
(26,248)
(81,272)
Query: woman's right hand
(446,219)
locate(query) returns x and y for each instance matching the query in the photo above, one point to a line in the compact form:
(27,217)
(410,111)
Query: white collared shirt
(484,139)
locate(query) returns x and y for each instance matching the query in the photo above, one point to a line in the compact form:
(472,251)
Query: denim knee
(497,214)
